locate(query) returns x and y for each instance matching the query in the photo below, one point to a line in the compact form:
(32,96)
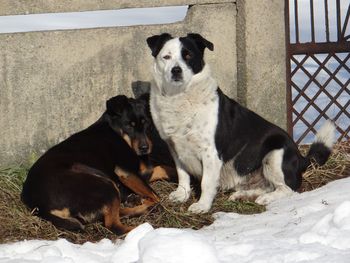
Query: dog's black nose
(143,148)
(176,70)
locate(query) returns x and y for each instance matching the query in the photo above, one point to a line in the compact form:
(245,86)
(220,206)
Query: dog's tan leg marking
(162,173)
(112,218)
(137,210)
(145,169)
(63,213)
(135,183)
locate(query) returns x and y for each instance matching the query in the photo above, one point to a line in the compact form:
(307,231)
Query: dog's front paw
(279,193)
(236,196)
(263,200)
(199,208)
(179,195)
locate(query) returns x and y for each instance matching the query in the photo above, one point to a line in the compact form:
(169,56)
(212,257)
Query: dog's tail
(321,148)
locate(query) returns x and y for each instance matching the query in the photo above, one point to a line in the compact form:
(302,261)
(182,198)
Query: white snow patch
(332,230)
(174,245)
(308,227)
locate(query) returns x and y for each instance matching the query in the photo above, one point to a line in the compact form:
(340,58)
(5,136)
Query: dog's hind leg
(136,184)
(112,218)
(62,219)
(272,171)
(137,210)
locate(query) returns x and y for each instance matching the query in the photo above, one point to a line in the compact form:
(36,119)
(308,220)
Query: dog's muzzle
(142,146)
(176,73)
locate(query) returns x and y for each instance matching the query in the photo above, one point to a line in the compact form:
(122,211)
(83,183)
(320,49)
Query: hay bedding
(17,223)
(337,167)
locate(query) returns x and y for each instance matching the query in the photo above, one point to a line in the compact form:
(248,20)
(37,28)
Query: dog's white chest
(189,128)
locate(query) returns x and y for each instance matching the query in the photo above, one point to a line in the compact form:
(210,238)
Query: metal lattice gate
(318,67)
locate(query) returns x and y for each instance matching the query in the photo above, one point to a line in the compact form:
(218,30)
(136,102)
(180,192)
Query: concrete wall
(261,53)
(17,7)
(55,83)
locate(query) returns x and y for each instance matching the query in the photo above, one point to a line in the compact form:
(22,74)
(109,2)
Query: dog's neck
(198,88)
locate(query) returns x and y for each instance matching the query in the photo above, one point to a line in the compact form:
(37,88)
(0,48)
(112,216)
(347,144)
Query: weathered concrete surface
(219,24)
(262,58)
(55,83)
(21,7)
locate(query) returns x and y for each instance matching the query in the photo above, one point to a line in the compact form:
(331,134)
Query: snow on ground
(308,227)
(92,19)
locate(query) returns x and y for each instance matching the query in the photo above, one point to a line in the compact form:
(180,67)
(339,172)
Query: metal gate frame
(311,50)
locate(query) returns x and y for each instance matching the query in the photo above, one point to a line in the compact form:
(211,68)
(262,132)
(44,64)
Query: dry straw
(17,223)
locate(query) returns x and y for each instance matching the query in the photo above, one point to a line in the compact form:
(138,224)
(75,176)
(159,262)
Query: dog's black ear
(156,42)
(201,42)
(116,105)
(144,99)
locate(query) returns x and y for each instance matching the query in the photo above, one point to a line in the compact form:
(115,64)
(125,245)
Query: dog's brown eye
(188,56)
(166,57)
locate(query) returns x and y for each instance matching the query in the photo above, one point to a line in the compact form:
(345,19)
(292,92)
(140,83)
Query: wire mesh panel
(318,67)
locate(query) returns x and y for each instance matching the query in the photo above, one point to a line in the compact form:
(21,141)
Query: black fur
(157,42)
(248,137)
(78,173)
(193,50)
(319,153)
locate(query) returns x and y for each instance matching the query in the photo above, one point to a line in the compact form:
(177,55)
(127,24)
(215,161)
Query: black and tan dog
(86,177)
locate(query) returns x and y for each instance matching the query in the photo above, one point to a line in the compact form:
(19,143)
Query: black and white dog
(213,138)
